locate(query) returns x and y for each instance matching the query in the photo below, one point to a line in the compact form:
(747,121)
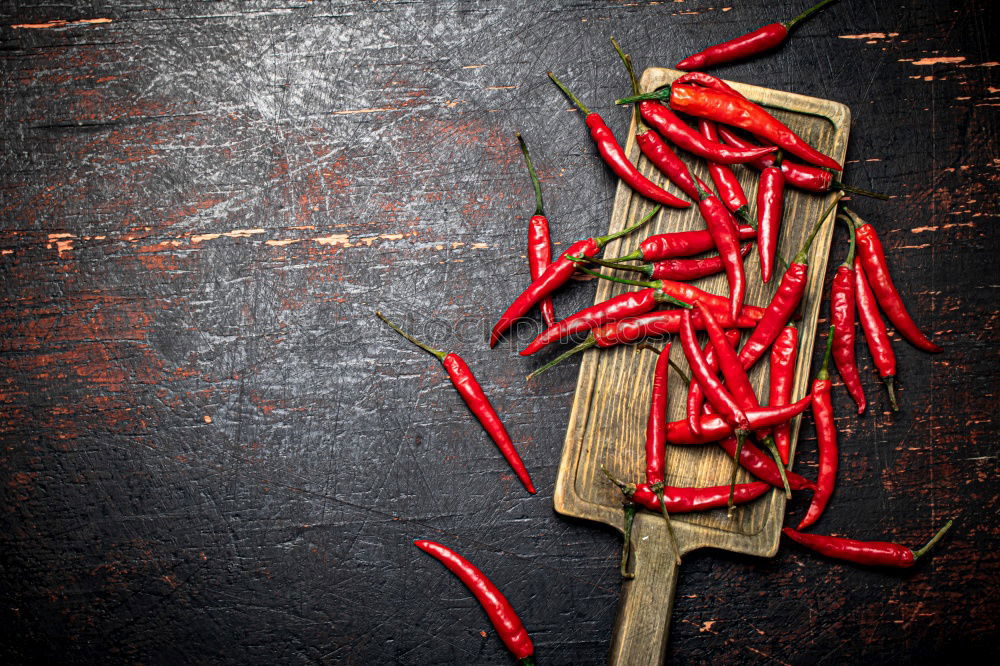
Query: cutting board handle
(640,632)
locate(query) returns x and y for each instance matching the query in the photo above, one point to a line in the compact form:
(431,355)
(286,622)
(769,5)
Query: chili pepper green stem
(837,185)
(849,261)
(663,94)
(604,240)
(627,544)
(437,352)
(824,370)
(631,256)
(645,269)
(741,436)
(890,386)
(657,489)
(586,344)
(800,258)
(634,283)
(790,24)
(937,537)
(772,448)
(528,661)
(583,109)
(678,369)
(539,209)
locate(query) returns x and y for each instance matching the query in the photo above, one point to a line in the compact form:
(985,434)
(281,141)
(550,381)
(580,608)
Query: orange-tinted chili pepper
(715,392)
(472,393)
(737,111)
(826,437)
(556,275)
(614,155)
(871,553)
(539,243)
(762,39)
(842,316)
(722,226)
(784,353)
(875,333)
(503,616)
(872,256)
(680,244)
(726,184)
(770,206)
(683,270)
(670,125)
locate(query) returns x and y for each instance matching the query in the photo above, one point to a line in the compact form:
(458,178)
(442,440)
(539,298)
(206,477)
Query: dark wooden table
(212,451)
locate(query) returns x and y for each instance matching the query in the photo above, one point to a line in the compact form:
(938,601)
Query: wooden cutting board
(608,419)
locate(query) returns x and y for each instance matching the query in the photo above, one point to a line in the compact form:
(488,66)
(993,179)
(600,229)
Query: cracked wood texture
(212,451)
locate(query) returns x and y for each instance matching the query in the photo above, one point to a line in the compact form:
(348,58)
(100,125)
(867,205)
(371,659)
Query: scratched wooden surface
(211,449)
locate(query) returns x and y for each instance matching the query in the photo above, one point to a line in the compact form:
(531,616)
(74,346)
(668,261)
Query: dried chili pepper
(762,39)
(556,275)
(614,155)
(726,183)
(472,393)
(770,206)
(730,109)
(715,392)
(714,427)
(801,176)
(509,627)
(826,437)
(539,243)
(872,553)
(670,125)
(842,316)
(618,307)
(784,353)
(875,333)
(656,437)
(680,244)
(683,270)
(722,226)
(785,301)
(872,256)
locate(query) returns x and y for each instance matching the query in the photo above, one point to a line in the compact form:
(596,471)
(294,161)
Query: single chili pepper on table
(720,398)
(695,396)
(509,627)
(872,553)
(875,333)
(618,307)
(770,207)
(726,183)
(614,155)
(539,243)
(842,316)
(714,427)
(800,176)
(737,111)
(762,39)
(556,275)
(872,256)
(682,270)
(472,393)
(680,244)
(656,437)
(785,301)
(826,438)
(784,353)
(722,226)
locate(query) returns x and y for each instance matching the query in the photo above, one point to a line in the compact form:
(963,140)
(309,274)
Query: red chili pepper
(709,81)
(784,353)
(826,437)
(472,393)
(735,376)
(656,437)
(715,392)
(875,333)
(539,243)
(695,396)
(802,176)
(872,257)
(726,184)
(680,244)
(683,270)
(785,301)
(763,466)
(770,206)
(730,109)
(714,427)
(872,553)
(842,316)
(686,500)
(618,307)
(556,275)
(722,226)
(750,44)
(669,124)
(498,609)
(614,155)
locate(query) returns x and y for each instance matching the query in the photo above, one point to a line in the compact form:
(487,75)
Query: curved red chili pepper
(762,39)
(695,396)
(872,553)
(709,81)
(539,243)
(826,437)
(682,270)
(875,333)
(472,393)
(842,316)
(614,155)
(736,379)
(556,275)
(715,427)
(669,124)
(872,257)
(722,226)
(509,627)
(762,466)
(680,244)
(784,353)
(715,392)
(726,184)
(770,205)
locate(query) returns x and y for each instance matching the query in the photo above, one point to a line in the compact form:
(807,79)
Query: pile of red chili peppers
(722,406)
